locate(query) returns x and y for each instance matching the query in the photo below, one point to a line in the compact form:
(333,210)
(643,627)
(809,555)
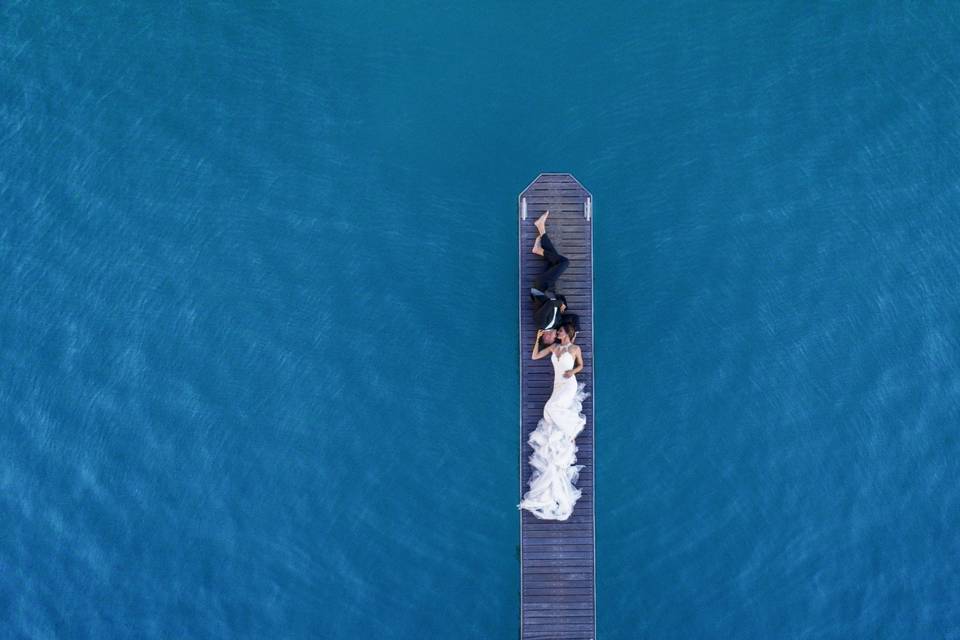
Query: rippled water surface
(258,333)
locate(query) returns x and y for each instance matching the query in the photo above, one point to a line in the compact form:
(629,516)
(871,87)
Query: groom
(548,305)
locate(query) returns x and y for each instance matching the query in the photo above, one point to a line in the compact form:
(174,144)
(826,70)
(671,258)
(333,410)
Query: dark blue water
(258,341)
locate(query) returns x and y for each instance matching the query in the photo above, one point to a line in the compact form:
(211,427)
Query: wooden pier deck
(557,559)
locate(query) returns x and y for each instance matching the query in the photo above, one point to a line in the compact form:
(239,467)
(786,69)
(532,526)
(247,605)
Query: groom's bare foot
(536,247)
(541,223)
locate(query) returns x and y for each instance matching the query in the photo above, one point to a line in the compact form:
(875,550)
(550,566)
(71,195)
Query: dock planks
(557,559)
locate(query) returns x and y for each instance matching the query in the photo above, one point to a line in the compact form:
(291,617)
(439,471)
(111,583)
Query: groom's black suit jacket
(548,309)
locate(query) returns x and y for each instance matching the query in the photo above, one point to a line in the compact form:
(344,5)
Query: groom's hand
(563,307)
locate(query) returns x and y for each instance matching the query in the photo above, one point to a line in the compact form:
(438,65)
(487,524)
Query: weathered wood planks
(557,559)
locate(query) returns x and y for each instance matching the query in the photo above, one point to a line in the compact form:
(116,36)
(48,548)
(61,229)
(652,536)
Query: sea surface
(258,345)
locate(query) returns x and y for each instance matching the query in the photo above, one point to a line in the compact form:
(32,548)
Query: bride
(552,493)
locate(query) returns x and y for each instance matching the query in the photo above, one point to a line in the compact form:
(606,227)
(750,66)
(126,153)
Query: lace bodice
(562,357)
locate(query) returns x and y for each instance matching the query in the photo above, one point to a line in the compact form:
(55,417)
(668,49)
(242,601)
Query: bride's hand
(567,374)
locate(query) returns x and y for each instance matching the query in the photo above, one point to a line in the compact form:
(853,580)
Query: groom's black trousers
(557,265)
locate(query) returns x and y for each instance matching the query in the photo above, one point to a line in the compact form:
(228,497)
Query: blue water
(258,335)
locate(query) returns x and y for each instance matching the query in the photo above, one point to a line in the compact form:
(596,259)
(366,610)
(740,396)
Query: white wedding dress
(552,493)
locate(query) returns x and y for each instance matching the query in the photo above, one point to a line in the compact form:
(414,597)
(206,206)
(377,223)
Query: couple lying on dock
(553,494)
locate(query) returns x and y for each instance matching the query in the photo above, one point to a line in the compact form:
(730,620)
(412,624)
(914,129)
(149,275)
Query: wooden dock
(557,559)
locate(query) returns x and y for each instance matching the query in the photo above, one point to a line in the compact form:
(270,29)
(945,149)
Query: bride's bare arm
(578,363)
(537,351)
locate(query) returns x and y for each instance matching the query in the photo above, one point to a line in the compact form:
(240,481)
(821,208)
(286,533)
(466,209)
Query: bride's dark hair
(571,330)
